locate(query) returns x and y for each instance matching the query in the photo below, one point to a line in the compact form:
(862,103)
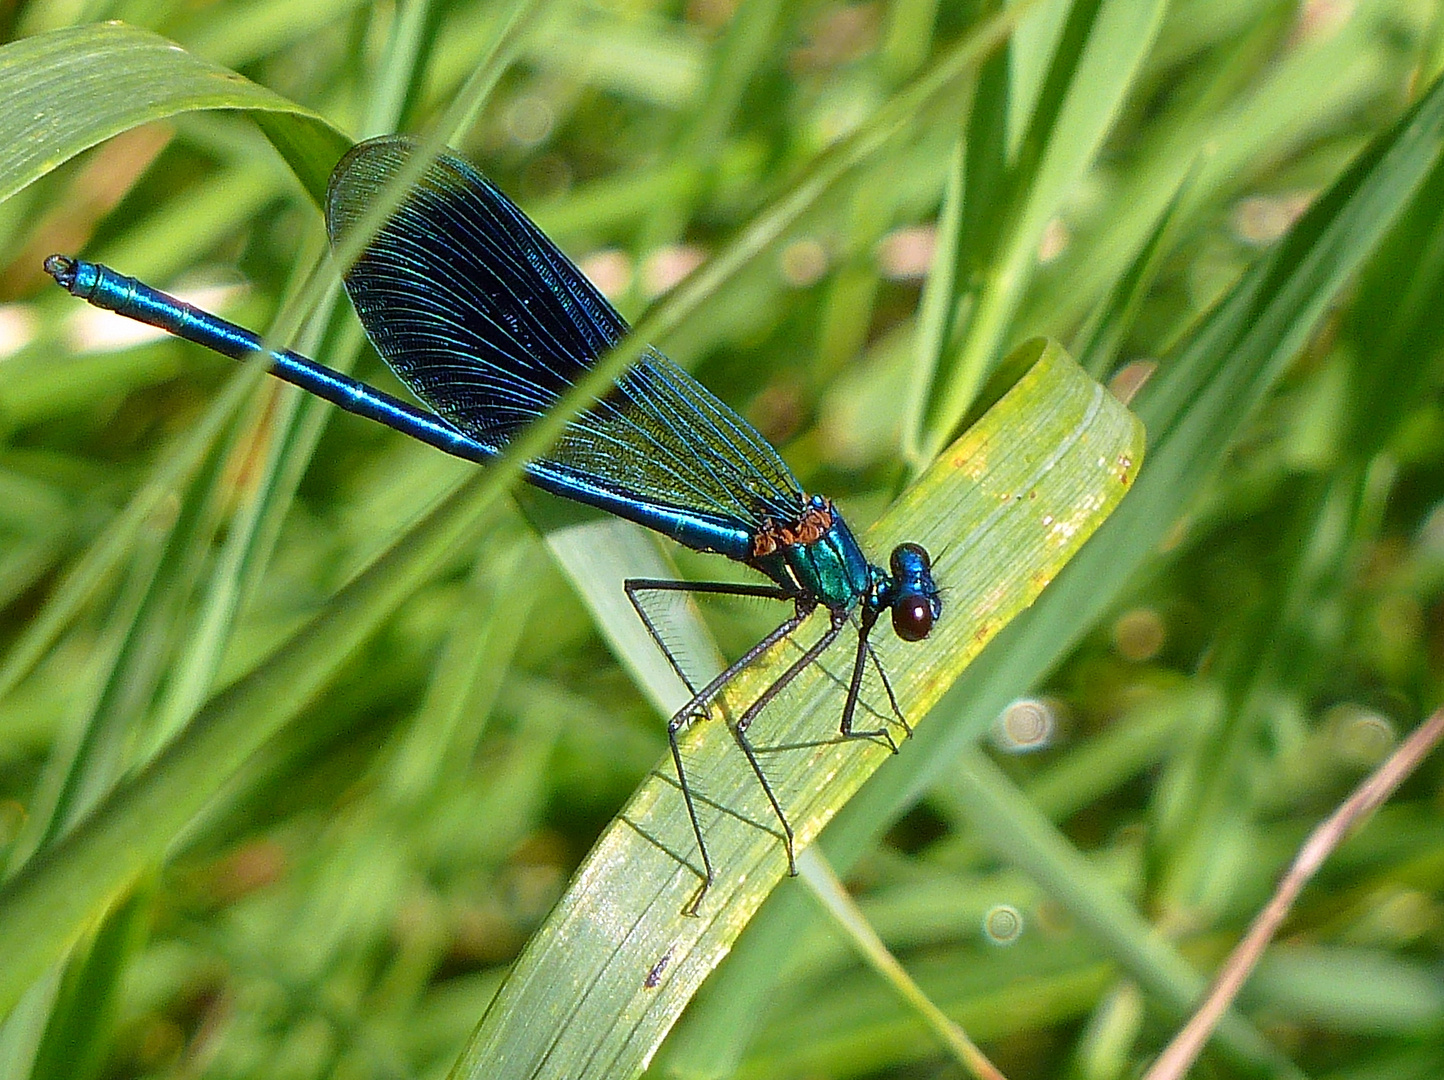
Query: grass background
(1248,637)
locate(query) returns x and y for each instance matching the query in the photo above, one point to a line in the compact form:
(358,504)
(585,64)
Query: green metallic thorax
(832,568)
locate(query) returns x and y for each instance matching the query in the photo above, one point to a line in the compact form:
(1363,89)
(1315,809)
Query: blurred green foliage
(347,905)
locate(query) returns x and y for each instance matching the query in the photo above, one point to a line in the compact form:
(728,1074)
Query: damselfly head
(914,602)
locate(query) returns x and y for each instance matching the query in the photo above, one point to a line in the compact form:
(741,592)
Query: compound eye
(912,618)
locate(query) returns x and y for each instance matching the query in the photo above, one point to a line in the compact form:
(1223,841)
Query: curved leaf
(1001,512)
(65,91)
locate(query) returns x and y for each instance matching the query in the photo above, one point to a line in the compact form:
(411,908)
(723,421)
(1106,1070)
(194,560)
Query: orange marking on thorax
(809,528)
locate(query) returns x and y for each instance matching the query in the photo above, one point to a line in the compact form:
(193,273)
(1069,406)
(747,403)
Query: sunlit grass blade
(1001,512)
(65,91)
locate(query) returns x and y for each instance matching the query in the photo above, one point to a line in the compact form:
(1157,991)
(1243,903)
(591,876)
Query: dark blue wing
(488,323)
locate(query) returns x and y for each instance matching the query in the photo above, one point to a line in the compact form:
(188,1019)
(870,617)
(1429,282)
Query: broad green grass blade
(1002,510)
(65,91)
(1193,409)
